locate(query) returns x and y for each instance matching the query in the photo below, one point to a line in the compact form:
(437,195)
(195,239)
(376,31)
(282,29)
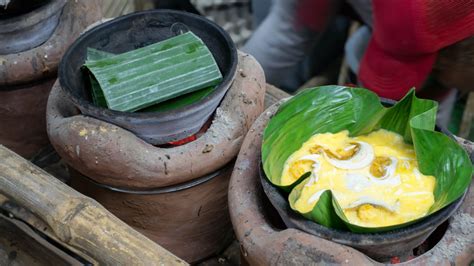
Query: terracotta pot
(28,28)
(134,30)
(191,219)
(265,240)
(379,246)
(23,118)
(26,76)
(110,156)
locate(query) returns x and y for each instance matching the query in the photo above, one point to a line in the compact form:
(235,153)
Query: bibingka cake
(374,177)
(348,162)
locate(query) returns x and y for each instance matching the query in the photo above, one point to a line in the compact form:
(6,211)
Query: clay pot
(190,219)
(160,191)
(379,246)
(23,118)
(136,30)
(265,240)
(26,76)
(35,26)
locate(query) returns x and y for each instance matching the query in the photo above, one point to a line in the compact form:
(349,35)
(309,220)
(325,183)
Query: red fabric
(313,14)
(406,37)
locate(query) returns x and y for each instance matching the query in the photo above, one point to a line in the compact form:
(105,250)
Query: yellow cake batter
(374,177)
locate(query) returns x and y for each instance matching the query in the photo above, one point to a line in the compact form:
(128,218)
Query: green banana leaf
(330,109)
(155,73)
(98,97)
(178,102)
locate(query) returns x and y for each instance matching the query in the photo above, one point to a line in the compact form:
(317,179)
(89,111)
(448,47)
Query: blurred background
(323,51)
(307,43)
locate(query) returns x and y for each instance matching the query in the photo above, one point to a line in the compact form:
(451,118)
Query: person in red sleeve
(425,44)
(406,38)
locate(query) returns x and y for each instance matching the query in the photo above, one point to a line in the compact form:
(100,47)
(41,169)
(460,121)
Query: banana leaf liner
(171,104)
(330,109)
(155,73)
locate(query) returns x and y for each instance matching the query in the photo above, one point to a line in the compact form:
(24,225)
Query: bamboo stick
(77,220)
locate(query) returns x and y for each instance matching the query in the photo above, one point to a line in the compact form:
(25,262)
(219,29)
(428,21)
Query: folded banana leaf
(330,109)
(155,73)
(178,102)
(97,94)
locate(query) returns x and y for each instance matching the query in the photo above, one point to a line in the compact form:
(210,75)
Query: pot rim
(165,115)
(32,17)
(162,190)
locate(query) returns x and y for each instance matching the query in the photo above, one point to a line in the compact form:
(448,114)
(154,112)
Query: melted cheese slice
(369,201)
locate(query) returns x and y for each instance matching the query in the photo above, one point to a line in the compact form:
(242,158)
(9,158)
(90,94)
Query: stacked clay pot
(265,240)
(26,76)
(176,196)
